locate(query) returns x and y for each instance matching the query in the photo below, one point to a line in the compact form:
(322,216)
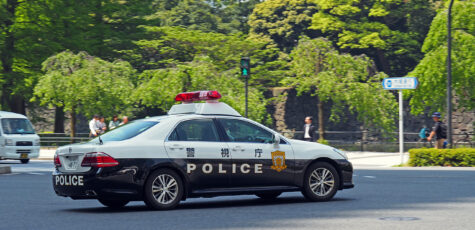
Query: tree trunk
(59,120)
(6,55)
(73,124)
(383,61)
(321,127)
(17,104)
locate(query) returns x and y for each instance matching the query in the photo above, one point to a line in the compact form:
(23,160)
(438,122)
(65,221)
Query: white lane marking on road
(372,177)
(33,173)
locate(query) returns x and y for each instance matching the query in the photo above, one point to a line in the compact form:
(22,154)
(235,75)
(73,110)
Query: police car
(197,150)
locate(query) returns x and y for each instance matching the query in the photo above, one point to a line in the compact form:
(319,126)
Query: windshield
(17,126)
(127,131)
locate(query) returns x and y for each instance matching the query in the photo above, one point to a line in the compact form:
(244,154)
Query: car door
(257,161)
(196,146)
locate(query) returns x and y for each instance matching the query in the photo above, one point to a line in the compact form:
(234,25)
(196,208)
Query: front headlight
(36,142)
(343,154)
(8,142)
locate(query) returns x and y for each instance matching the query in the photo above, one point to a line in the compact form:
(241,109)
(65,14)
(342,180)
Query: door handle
(237,148)
(176,146)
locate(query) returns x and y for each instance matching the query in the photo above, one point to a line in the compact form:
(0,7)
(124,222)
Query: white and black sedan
(197,150)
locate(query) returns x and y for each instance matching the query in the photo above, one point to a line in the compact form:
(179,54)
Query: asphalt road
(390,198)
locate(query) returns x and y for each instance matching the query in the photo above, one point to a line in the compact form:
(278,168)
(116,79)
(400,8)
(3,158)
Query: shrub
(322,141)
(463,157)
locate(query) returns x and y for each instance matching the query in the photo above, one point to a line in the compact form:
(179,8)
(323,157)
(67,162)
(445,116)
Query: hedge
(463,157)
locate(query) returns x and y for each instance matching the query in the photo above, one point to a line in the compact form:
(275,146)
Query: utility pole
(449,75)
(246,73)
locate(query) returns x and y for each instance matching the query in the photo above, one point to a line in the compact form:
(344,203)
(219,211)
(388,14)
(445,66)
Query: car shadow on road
(208,204)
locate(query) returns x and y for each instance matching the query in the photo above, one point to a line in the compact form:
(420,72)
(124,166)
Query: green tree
(84,84)
(347,81)
(164,47)
(390,32)
(432,70)
(157,88)
(282,21)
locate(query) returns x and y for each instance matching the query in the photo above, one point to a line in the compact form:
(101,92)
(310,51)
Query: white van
(18,140)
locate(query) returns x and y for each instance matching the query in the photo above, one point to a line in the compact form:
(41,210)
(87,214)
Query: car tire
(163,190)
(113,203)
(321,182)
(268,195)
(25,161)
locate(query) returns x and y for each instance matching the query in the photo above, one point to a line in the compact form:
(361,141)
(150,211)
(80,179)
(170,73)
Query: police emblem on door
(278,161)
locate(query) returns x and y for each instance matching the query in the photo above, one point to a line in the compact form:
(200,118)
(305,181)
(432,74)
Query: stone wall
(289,110)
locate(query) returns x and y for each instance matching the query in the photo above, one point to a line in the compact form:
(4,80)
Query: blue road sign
(395,83)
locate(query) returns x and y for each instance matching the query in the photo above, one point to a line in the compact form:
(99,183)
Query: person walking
(114,123)
(309,130)
(439,131)
(94,126)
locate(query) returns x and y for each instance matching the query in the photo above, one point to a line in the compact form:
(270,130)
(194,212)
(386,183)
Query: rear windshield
(17,126)
(127,131)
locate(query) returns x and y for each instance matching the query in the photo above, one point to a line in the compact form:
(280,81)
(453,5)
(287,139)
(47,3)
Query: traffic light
(245,66)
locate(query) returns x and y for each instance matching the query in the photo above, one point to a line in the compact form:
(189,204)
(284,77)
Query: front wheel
(163,190)
(320,182)
(113,203)
(25,161)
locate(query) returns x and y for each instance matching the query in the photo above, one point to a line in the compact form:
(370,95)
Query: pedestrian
(94,126)
(102,125)
(125,120)
(309,130)
(439,131)
(114,123)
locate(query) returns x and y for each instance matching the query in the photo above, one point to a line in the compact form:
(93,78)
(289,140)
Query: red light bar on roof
(198,96)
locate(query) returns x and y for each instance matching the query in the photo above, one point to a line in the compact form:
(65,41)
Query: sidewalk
(375,159)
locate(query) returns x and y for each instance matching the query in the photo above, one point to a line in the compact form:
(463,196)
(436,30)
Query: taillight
(57,162)
(98,159)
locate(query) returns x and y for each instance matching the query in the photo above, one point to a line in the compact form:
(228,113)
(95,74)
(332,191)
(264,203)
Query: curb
(5,169)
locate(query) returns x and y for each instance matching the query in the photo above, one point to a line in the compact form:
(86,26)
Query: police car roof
(207,108)
(4,114)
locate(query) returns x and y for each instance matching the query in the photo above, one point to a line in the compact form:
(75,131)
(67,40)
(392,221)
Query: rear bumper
(96,184)
(346,169)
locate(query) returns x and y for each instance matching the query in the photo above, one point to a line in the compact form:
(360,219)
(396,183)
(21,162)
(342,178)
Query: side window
(242,131)
(195,130)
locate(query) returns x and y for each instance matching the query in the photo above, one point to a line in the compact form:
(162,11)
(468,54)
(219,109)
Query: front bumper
(20,152)
(97,183)
(346,169)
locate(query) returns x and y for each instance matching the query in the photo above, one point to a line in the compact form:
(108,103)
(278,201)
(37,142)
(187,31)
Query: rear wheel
(163,190)
(320,182)
(113,203)
(268,195)
(25,161)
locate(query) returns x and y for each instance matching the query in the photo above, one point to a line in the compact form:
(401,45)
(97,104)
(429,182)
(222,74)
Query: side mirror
(275,139)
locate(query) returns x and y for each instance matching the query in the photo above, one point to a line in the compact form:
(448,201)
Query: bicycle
(465,141)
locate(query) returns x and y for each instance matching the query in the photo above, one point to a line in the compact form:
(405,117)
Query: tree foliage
(432,70)
(158,87)
(348,81)
(388,31)
(85,84)
(282,21)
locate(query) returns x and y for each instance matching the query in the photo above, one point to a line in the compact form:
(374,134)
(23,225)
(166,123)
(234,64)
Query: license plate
(71,163)
(69,180)
(24,155)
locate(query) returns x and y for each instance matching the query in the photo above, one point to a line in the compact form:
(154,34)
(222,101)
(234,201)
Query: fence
(60,139)
(347,140)
(375,142)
